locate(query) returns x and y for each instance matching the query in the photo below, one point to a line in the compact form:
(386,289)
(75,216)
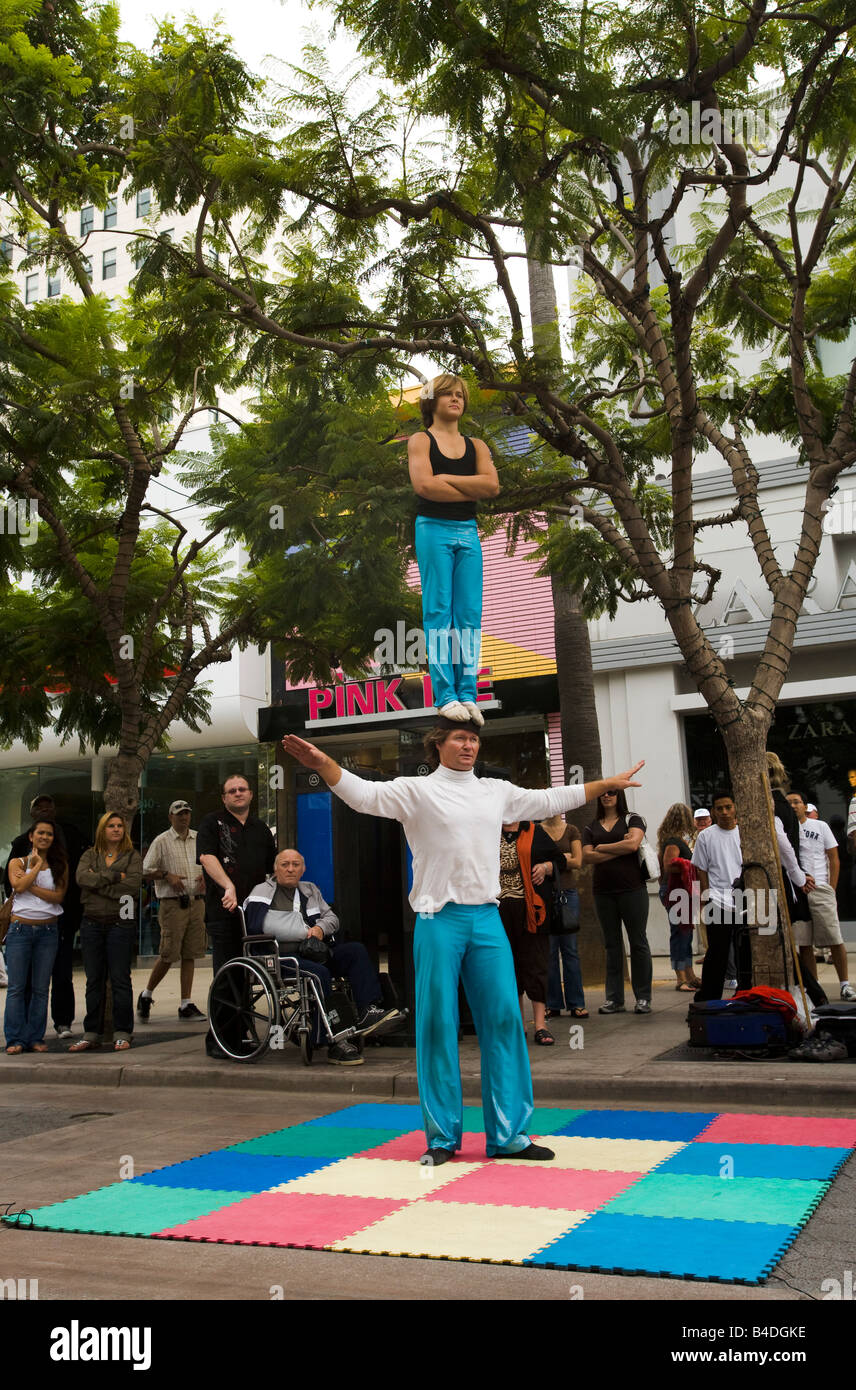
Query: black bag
(318,952)
(564,921)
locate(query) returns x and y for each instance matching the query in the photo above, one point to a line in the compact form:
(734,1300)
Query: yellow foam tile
(463,1232)
(607,1155)
(373,1177)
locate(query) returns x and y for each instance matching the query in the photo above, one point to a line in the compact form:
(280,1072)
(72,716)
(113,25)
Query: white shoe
(455,710)
(730,984)
(474,712)
(848,993)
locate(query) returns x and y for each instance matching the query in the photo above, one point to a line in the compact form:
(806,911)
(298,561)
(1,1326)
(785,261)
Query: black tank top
(464,467)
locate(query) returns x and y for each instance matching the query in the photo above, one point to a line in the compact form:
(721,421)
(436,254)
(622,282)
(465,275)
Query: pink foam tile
(810,1130)
(413,1146)
(282,1218)
(560,1189)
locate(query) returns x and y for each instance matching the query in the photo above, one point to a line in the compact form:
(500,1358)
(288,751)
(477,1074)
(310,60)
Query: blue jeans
(681,948)
(107,949)
(566,949)
(450,567)
(30,953)
(469,944)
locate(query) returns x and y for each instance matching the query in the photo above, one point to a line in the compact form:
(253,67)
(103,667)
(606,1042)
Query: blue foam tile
(674,1125)
(735,1252)
(223,1170)
(756,1161)
(402,1118)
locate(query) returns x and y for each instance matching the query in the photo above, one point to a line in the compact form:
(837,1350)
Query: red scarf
(536,912)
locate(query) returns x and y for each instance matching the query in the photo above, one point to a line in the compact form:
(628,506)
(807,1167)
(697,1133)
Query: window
(32,241)
(167,233)
(108,264)
(110,215)
(140,252)
(6,245)
(144,202)
(53,284)
(87,267)
(87,221)
(31,288)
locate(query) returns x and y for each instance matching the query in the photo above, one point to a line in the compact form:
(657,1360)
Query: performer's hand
(305,753)
(621,780)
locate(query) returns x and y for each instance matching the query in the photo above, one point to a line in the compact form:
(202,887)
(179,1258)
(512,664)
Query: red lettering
(484,684)
(318,700)
(386,696)
(360,699)
(427,691)
(340,701)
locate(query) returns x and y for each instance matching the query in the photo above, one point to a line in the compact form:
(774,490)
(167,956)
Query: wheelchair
(253,1007)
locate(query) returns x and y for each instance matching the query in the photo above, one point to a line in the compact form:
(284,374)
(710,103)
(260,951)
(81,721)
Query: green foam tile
(314,1142)
(131,1209)
(768,1201)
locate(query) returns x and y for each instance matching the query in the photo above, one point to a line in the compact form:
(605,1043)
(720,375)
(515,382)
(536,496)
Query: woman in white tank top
(39,883)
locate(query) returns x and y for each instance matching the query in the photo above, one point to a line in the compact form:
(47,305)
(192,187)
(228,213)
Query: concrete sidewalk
(604,1058)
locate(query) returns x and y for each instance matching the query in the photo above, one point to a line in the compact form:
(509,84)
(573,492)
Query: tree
(113,609)
(600,135)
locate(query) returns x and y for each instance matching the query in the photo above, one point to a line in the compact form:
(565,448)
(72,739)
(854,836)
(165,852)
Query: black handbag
(318,952)
(564,921)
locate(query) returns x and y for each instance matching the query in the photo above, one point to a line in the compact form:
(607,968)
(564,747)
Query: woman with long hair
(674,841)
(449,472)
(39,883)
(611,844)
(110,875)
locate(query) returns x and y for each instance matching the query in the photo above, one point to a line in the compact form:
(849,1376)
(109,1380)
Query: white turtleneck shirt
(453,823)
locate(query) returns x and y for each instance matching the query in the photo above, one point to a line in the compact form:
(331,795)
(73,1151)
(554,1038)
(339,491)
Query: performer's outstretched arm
(526,803)
(310,756)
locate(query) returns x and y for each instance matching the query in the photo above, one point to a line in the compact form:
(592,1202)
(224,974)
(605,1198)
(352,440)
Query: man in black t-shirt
(236,851)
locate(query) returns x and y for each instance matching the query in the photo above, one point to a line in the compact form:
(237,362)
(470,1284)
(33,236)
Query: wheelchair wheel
(243,1009)
(306,1046)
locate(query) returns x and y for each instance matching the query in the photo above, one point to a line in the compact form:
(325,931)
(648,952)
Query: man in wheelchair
(291,909)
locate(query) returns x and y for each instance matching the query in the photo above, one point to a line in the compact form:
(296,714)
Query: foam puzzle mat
(671,1193)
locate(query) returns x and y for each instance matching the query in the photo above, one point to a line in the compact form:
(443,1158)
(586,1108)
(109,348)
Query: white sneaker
(474,712)
(730,984)
(848,993)
(455,710)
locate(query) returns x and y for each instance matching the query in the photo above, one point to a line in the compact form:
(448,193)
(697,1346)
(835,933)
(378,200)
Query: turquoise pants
(450,567)
(469,944)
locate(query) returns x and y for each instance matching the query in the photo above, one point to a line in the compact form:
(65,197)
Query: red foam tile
(286,1218)
(515,1186)
(413,1146)
(810,1130)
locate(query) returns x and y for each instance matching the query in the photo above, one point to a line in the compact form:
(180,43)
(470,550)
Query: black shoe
(144,1007)
(611,1007)
(538,1152)
(434,1157)
(643,1006)
(344,1054)
(190,1011)
(378,1020)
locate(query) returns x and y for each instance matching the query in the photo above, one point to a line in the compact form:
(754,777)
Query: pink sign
(370,699)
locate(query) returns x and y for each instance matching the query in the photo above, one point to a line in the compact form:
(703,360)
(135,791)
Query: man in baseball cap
(702,818)
(180,891)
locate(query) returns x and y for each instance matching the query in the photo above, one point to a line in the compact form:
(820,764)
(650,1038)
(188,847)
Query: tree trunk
(746,745)
(122,793)
(581,755)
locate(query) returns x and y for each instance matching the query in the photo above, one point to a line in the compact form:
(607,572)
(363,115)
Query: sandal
(685,988)
(14,1050)
(543,1038)
(579,1013)
(39,1047)
(121,1045)
(84,1045)
(695,982)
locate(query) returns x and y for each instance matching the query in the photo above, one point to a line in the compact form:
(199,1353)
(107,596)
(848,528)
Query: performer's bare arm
(484,482)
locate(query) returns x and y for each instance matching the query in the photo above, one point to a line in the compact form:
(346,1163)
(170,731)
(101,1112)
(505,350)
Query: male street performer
(452,821)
